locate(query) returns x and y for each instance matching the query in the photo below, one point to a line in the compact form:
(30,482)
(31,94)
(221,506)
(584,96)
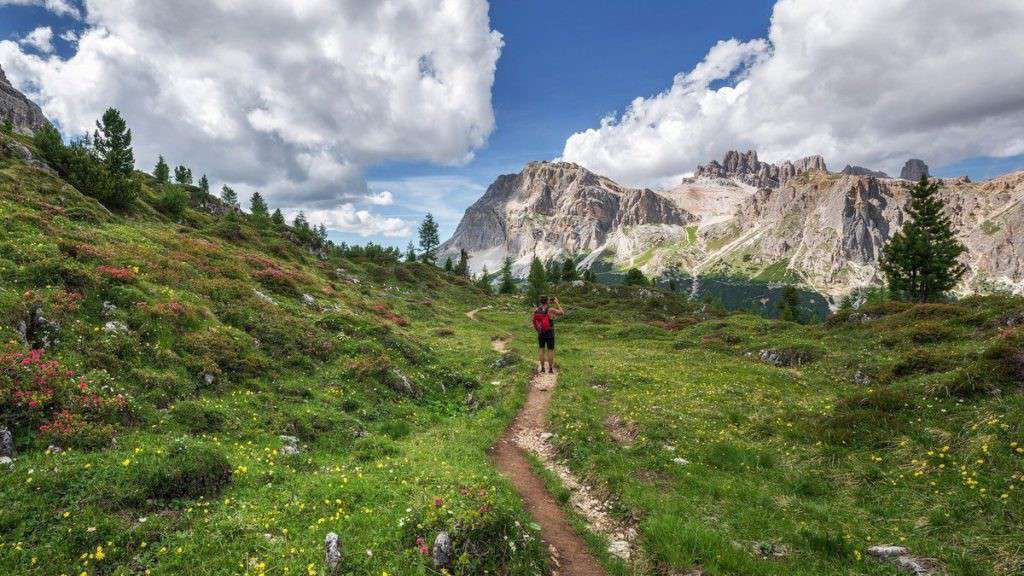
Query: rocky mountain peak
(914,170)
(746,168)
(26,116)
(862,171)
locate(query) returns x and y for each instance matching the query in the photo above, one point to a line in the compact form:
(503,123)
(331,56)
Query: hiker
(544,323)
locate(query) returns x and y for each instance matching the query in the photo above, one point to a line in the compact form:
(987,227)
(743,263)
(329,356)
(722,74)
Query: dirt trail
(499,344)
(569,552)
(472,313)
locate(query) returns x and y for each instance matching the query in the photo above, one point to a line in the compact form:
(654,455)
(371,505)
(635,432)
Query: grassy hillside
(179,351)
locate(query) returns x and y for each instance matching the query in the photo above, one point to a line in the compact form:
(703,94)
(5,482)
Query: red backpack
(541,320)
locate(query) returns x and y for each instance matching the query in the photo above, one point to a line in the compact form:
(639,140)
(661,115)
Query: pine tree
(162,172)
(410,252)
(484,282)
(277,219)
(553,271)
(112,142)
(536,283)
(204,185)
(508,284)
(569,271)
(462,268)
(448,264)
(429,239)
(634,277)
(183,175)
(789,304)
(589,276)
(258,208)
(229,196)
(920,262)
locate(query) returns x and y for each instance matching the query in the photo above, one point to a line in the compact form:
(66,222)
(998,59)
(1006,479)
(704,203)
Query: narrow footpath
(569,554)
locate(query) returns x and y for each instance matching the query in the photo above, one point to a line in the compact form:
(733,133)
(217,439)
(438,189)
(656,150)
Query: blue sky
(562,68)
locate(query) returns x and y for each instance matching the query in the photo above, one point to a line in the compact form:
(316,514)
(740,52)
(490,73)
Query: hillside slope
(205,395)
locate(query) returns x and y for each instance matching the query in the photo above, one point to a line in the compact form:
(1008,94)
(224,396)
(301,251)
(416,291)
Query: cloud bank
(290,98)
(869,82)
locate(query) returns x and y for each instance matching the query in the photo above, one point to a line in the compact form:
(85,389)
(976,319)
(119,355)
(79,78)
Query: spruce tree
(634,277)
(569,271)
(536,282)
(277,219)
(162,172)
(229,196)
(258,208)
(448,264)
(112,142)
(789,304)
(183,175)
(589,276)
(429,239)
(553,271)
(921,261)
(204,186)
(484,282)
(508,283)
(462,268)
(410,252)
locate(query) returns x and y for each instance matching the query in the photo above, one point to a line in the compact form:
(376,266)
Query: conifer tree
(183,175)
(484,282)
(112,142)
(634,277)
(508,284)
(204,185)
(277,219)
(448,264)
(258,208)
(462,268)
(162,172)
(589,276)
(789,304)
(429,239)
(569,271)
(553,271)
(410,252)
(536,283)
(921,261)
(229,196)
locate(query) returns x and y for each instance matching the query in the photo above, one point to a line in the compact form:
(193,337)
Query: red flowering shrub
(388,315)
(277,279)
(117,273)
(65,407)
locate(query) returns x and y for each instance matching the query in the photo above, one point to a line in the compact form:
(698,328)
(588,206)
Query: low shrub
(190,470)
(872,416)
(198,417)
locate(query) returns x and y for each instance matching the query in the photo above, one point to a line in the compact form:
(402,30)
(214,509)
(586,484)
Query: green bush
(173,200)
(197,417)
(190,470)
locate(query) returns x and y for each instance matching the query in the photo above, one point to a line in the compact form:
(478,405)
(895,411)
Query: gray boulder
(24,114)
(332,553)
(442,551)
(6,443)
(290,445)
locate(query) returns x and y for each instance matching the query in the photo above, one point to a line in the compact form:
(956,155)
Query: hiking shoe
(551,370)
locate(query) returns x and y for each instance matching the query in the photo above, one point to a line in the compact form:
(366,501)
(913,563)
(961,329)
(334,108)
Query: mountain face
(554,208)
(23,113)
(793,221)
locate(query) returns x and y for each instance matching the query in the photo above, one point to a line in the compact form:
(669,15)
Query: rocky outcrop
(862,171)
(15,107)
(551,209)
(914,170)
(748,169)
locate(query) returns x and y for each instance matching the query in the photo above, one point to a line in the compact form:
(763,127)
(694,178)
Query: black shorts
(546,340)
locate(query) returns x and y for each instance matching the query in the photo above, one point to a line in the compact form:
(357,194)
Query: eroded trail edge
(569,553)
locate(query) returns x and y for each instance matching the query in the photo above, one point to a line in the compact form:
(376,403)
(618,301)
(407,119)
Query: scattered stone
(332,552)
(53,449)
(401,383)
(786,357)
(860,378)
(619,549)
(6,461)
(506,359)
(308,300)
(115,327)
(905,561)
(681,461)
(108,309)
(6,442)
(914,170)
(859,318)
(442,551)
(264,297)
(545,436)
(37,332)
(291,445)
(768,550)
(209,379)
(268,536)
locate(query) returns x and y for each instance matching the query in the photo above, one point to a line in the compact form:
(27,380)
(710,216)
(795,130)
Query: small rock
(887,551)
(442,551)
(263,297)
(619,549)
(115,327)
(6,442)
(332,552)
(861,379)
(291,445)
(578,283)
(108,309)
(681,461)
(6,461)
(401,383)
(506,359)
(545,436)
(268,536)
(308,300)
(52,449)
(209,379)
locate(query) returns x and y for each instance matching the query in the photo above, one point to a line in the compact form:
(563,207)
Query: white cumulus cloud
(869,82)
(293,98)
(346,218)
(41,39)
